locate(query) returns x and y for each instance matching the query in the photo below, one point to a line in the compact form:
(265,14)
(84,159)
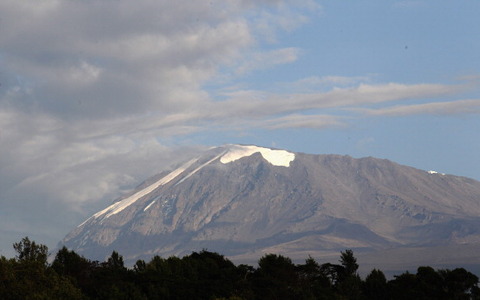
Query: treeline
(209,275)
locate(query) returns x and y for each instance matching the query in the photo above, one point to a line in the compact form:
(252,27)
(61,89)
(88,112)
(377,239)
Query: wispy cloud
(304,121)
(459,107)
(244,103)
(265,60)
(316,83)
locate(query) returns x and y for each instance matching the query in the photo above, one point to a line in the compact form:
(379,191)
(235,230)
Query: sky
(97,96)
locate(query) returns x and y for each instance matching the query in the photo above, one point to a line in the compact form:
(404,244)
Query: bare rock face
(244,201)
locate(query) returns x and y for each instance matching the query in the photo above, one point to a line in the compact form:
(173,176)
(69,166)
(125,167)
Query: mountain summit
(244,201)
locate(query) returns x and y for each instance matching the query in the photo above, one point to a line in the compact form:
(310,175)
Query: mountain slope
(243,201)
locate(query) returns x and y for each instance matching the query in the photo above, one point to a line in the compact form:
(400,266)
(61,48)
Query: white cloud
(84,73)
(244,103)
(265,60)
(458,107)
(317,83)
(287,16)
(119,58)
(304,121)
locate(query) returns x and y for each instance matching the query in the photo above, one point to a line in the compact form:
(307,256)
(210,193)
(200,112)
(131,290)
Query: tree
(375,285)
(334,273)
(215,274)
(115,261)
(8,282)
(77,268)
(34,279)
(140,266)
(313,282)
(31,260)
(29,251)
(114,281)
(349,282)
(460,284)
(430,283)
(349,262)
(404,286)
(275,278)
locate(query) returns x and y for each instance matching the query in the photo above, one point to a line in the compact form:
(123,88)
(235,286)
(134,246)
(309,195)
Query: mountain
(244,201)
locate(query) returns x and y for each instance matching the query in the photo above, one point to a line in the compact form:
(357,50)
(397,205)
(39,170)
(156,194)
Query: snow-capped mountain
(244,201)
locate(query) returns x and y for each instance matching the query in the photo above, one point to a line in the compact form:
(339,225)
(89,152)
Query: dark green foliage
(29,251)
(29,277)
(375,286)
(349,263)
(275,278)
(75,267)
(209,275)
(431,284)
(313,281)
(213,274)
(349,282)
(459,282)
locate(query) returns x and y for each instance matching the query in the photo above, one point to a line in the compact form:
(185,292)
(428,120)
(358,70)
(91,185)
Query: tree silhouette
(209,275)
(349,262)
(275,278)
(375,285)
(30,251)
(349,282)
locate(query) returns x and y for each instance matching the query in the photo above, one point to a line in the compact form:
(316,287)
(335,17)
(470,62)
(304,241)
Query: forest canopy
(210,275)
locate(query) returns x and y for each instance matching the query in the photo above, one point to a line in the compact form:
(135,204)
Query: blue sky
(97,96)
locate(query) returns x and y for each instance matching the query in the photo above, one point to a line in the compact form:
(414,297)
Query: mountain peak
(228,153)
(275,157)
(245,200)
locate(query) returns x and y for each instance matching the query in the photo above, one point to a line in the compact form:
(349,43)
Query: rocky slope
(244,201)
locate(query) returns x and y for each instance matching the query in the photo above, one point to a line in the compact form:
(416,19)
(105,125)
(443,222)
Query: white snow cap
(435,172)
(275,157)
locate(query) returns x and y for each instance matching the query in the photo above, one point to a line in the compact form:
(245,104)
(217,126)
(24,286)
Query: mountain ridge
(253,203)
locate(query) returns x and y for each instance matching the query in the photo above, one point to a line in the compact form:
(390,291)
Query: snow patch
(197,169)
(121,205)
(148,206)
(435,172)
(275,157)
